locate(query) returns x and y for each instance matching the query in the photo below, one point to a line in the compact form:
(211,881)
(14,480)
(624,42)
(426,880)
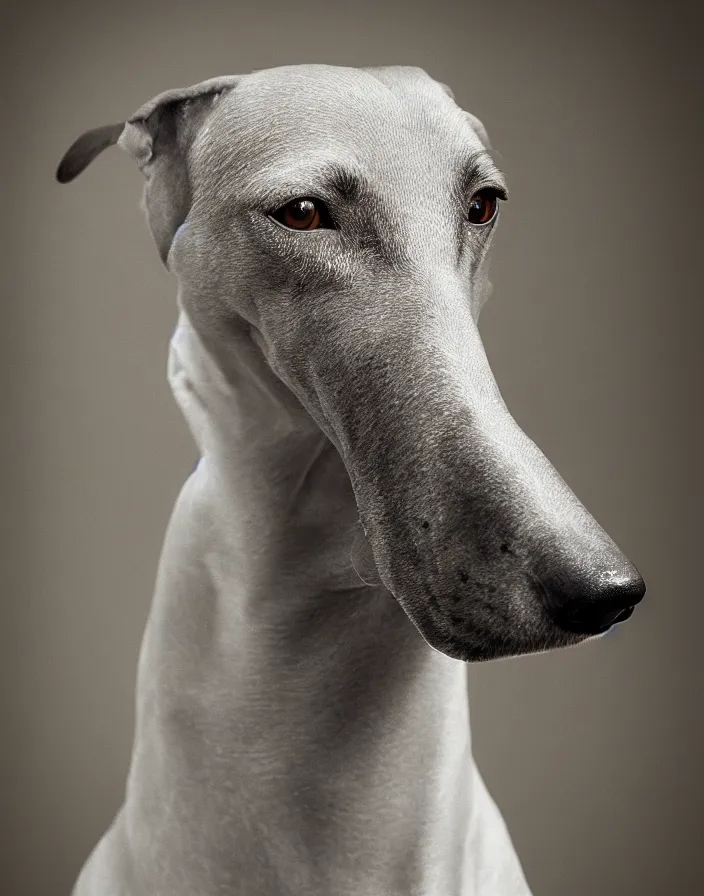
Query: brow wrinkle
(331,178)
(479,167)
(324,178)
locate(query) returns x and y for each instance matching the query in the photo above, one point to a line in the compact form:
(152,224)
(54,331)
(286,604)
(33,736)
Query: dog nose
(592,607)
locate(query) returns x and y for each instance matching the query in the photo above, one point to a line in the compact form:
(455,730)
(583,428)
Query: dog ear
(448,90)
(158,136)
(477,126)
(479,130)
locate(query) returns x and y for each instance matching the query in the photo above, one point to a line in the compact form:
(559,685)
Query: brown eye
(483,207)
(303,214)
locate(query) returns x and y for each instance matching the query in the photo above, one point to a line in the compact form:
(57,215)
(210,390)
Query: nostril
(593,607)
(624,614)
(584,615)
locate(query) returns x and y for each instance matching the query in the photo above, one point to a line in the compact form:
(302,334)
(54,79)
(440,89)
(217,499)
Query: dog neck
(333,742)
(291,505)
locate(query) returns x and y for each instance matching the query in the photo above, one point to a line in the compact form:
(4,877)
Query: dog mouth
(474,645)
(488,630)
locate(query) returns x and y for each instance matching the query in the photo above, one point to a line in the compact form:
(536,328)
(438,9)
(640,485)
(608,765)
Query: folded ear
(477,126)
(479,130)
(158,136)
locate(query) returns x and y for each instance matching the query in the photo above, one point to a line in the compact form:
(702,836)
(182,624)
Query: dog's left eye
(483,207)
(303,214)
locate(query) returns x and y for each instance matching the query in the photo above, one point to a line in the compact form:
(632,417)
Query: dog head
(347,215)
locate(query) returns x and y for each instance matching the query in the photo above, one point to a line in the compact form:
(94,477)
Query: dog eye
(303,214)
(483,207)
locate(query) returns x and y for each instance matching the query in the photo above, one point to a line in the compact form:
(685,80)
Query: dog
(366,517)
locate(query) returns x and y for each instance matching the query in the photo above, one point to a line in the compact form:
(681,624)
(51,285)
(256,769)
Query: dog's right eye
(305,213)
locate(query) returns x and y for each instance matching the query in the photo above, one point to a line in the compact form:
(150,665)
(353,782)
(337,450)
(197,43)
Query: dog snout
(591,605)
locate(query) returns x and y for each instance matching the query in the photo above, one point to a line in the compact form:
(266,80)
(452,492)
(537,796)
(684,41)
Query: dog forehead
(346,83)
(293,112)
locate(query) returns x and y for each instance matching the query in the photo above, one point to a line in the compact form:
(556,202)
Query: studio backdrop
(593,331)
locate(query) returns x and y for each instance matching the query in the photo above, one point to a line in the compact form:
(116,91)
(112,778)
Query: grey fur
(296,733)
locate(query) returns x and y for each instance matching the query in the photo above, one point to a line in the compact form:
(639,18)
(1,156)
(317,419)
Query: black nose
(592,607)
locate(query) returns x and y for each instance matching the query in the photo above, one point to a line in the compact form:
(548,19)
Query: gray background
(593,331)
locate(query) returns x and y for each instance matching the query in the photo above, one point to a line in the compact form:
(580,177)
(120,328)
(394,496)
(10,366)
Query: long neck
(270,668)
(281,513)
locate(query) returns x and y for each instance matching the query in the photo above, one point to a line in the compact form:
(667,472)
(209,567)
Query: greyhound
(365,519)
